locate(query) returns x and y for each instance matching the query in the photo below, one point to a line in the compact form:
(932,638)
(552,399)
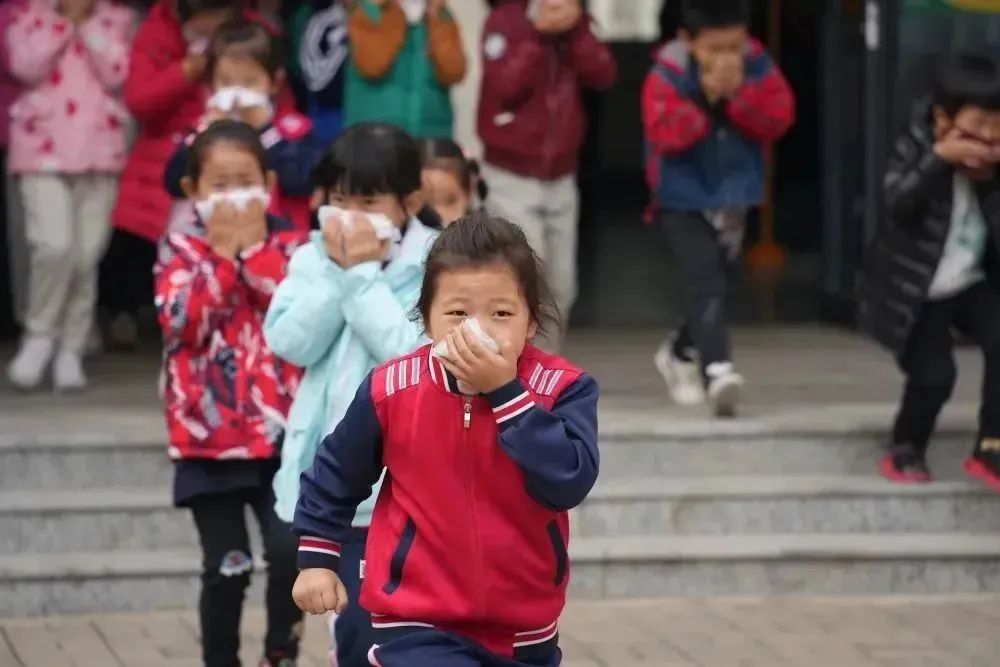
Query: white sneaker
(683,378)
(28,367)
(67,372)
(724,388)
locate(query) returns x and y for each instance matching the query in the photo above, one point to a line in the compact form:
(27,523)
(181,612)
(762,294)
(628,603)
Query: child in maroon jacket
(227,395)
(487,442)
(539,56)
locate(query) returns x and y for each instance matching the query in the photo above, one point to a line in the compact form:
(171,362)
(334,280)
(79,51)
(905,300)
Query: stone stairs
(733,509)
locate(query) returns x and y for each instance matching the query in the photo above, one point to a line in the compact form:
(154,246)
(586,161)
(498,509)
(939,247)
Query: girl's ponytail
(428,217)
(482,190)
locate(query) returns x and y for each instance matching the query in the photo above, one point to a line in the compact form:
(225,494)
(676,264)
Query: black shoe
(905,464)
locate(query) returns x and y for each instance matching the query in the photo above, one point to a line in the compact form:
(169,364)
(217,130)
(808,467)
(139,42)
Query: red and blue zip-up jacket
(292,153)
(470,530)
(702,157)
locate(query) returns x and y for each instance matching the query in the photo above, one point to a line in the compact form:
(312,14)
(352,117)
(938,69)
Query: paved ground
(671,633)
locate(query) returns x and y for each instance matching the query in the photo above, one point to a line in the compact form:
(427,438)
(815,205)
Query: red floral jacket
(227,396)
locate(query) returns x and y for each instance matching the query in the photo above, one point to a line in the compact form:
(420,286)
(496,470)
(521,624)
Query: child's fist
(318,591)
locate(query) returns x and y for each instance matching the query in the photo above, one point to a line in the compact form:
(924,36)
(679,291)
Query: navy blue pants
(434,648)
(353,628)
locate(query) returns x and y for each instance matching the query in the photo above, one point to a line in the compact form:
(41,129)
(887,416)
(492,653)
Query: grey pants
(548,212)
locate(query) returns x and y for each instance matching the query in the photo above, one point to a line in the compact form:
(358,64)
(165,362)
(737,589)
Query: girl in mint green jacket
(343,309)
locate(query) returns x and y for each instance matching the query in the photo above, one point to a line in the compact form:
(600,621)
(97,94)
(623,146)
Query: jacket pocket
(559,549)
(399,557)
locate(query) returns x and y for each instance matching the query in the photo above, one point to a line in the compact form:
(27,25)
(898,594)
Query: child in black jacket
(931,267)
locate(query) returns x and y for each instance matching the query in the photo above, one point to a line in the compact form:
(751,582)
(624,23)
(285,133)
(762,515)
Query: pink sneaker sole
(890,472)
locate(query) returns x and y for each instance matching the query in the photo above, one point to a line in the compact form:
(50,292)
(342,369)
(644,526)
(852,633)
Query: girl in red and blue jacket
(227,396)
(245,69)
(484,451)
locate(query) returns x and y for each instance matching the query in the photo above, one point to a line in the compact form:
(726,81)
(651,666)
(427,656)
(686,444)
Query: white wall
(471,15)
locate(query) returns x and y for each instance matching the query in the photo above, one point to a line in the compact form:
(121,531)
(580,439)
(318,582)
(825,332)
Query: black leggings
(930,366)
(226,567)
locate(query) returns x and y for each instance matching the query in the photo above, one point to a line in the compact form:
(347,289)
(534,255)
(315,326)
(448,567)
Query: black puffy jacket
(901,261)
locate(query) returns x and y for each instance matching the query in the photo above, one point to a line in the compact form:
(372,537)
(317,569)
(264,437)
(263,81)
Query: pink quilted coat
(70,118)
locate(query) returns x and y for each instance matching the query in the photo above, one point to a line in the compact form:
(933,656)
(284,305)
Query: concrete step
(96,520)
(84,461)
(805,564)
(764,453)
(747,504)
(813,564)
(42,521)
(95,461)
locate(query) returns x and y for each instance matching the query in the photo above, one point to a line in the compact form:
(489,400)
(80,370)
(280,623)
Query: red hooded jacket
(167,105)
(531,115)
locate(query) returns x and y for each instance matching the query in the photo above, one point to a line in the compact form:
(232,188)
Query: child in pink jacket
(67,148)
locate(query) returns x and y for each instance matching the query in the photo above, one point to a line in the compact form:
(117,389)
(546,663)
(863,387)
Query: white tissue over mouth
(473,327)
(239,198)
(233,98)
(384,228)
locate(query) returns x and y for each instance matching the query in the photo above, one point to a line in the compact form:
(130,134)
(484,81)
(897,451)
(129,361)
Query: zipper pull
(467,413)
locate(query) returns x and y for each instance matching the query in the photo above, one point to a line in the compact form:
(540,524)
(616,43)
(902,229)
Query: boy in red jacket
(712,103)
(487,443)
(538,58)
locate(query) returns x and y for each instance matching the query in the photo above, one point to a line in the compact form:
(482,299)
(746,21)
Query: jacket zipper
(477,543)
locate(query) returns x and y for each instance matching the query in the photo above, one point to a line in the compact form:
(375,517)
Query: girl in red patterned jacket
(226,394)
(487,442)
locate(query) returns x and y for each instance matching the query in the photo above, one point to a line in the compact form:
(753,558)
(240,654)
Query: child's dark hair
(481,239)
(698,15)
(186,9)
(240,38)
(967,79)
(374,159)
(443,153)
(233,132)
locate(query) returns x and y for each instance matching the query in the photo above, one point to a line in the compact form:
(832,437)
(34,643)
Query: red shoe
(905,468)
(984,470)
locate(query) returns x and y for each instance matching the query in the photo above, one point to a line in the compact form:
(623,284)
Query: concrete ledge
(753,486)
(781,547)
(139,564)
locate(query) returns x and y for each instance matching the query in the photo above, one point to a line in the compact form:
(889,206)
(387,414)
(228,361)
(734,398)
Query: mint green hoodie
(339,324)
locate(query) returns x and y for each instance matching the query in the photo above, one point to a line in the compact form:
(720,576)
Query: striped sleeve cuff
(510,402)
(318,552)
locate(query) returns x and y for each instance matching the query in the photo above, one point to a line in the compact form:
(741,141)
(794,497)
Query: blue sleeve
(347,466)
(557,449)
(305,317)
(176,169)
(293,161)
(379,317)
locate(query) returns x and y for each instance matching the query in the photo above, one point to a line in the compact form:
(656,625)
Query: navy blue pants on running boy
(353,629)
(435,648)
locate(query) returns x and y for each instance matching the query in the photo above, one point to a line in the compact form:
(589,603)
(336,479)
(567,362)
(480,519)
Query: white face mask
(233,98)
(238,198)
(384,228)
(414,10)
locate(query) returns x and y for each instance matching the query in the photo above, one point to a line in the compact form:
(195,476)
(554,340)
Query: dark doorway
(625,273)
